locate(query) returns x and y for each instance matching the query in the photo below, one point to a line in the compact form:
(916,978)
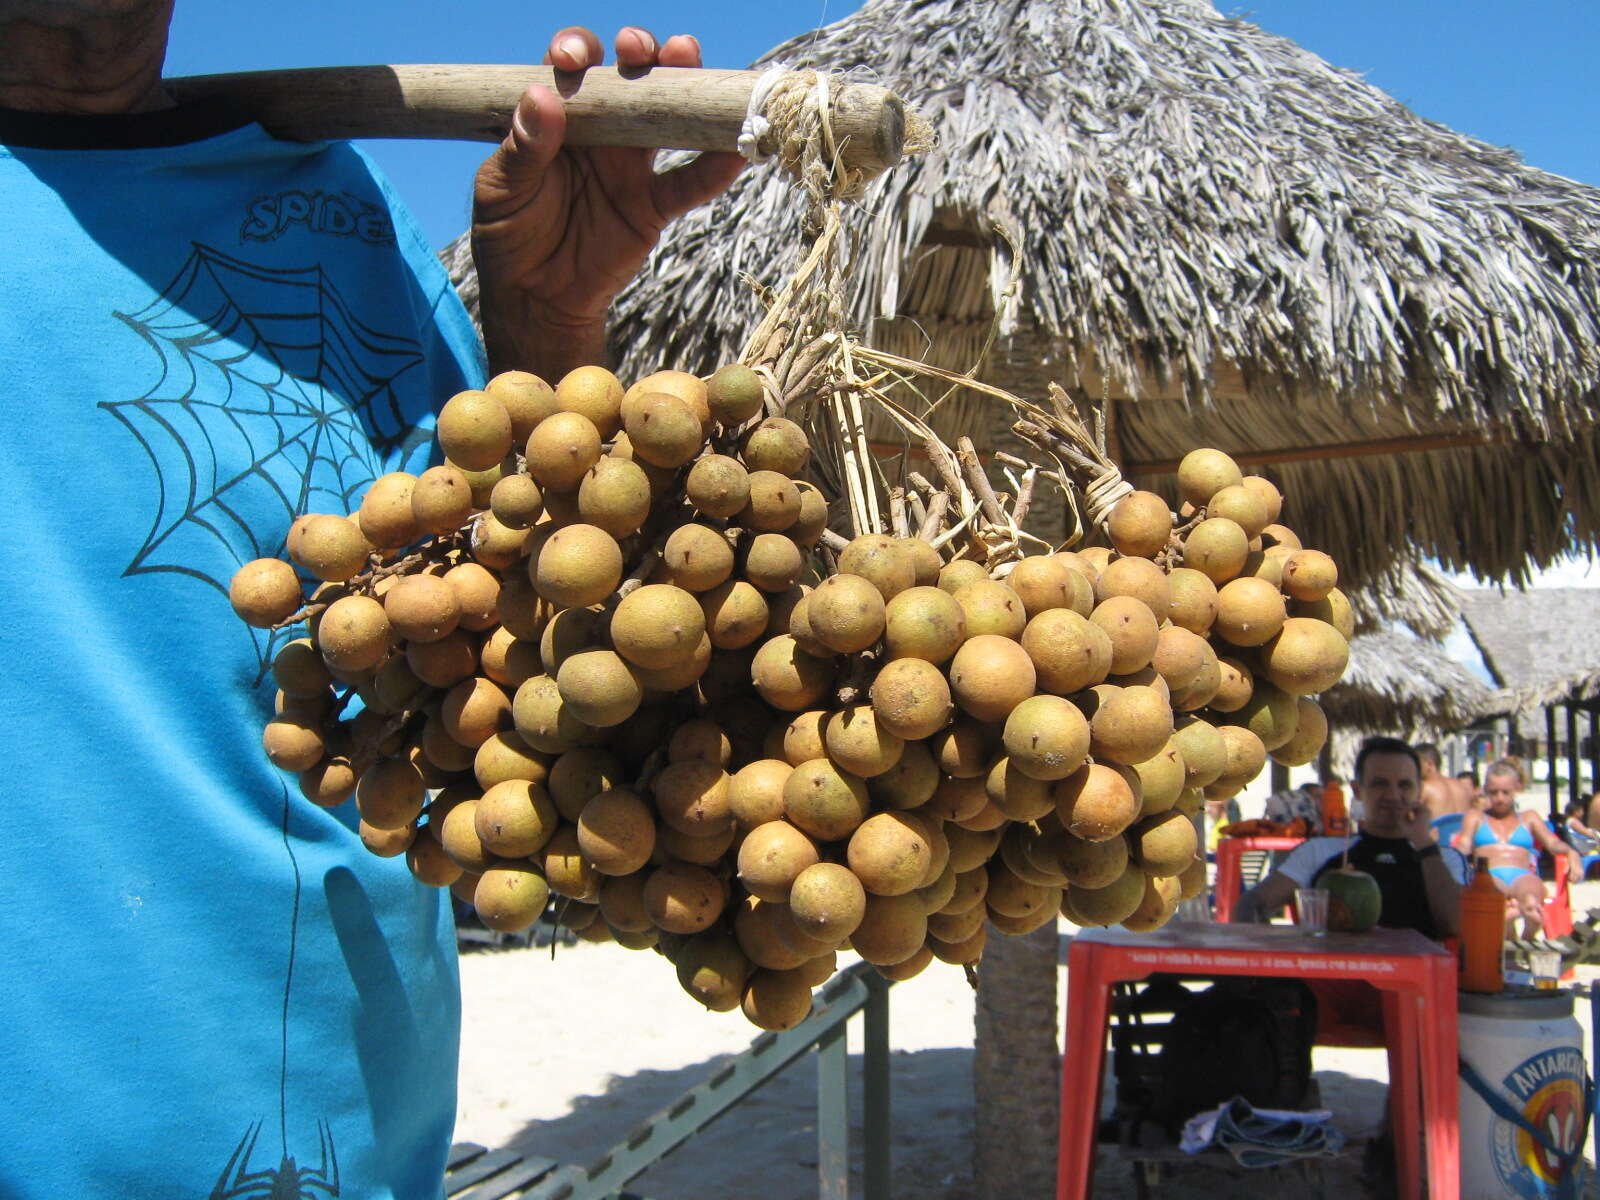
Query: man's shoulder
(1310,856)
(1319,848)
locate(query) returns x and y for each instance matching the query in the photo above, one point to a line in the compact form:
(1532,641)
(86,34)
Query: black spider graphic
(273,397)
(287,1182)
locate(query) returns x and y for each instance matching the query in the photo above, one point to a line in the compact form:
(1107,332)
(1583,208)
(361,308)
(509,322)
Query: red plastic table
(1417,977)
(1229,851)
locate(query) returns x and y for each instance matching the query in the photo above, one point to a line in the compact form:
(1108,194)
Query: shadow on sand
(765,1148)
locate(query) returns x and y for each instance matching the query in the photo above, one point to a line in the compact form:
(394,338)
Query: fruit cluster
(609,655)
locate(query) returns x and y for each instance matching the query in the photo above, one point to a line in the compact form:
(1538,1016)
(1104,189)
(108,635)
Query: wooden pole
(1573,768)
(1286,454)
(1594,752)
(680,108)
(1550,760)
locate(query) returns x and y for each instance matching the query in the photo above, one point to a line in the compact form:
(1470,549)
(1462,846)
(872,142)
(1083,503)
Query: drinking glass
(1312,904)
(1545,967)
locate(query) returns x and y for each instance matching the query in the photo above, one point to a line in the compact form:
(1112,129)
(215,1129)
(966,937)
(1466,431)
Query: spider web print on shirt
(274,400)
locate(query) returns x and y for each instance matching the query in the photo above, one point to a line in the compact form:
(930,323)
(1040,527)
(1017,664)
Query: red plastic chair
(1229,852)
(1558,909)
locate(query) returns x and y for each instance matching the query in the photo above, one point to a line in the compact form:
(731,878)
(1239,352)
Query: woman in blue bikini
(1508,840)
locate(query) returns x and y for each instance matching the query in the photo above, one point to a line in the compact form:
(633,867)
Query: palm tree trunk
(1017,1067)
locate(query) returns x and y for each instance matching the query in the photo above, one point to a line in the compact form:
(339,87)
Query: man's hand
(1418,828)
(558,231)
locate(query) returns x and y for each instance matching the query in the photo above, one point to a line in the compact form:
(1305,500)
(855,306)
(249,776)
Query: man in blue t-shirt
(213,988)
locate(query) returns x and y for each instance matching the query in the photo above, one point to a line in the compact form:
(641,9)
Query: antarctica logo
(1548,1090)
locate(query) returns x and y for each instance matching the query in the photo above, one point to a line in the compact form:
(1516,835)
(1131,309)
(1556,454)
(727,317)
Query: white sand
(564,1056)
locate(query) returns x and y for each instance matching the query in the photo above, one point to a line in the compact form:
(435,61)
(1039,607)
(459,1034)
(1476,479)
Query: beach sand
(563,1055)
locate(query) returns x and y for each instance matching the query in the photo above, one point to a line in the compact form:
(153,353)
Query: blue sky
(1513,75)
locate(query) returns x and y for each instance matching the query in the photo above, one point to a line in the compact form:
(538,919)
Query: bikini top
(1485,835)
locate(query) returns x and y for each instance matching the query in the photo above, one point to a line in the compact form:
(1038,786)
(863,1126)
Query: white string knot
(756,126)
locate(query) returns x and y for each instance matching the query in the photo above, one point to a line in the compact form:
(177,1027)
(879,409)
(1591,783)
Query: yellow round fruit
(911,698)
(1205,472)
(825,801)
(385,515)
(1310,733)
(474,430)
(718,486)
(889,853)
(332,548)
(845,613)
(561,450)
(1132,629)
(1306,657)
(264,592)
(598,688)
(441,500)
(1309,575)
(1140,524)
(771,857)
(925,623)
(1241,505)
(1250,612)
(1217,548)
(827,901)
(1068,651)
(657,626)
(1097,801)
(578,566)
(857,741)
(593,393)
(1046,737)
(734,394)
(787,677)
(991,675)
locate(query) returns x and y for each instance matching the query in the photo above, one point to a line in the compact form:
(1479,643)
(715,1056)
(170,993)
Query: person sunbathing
(1508,841)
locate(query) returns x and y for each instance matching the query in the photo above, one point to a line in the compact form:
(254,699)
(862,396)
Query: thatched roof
(1412,594)
(1403,685)
(1542,645)
(1267,251)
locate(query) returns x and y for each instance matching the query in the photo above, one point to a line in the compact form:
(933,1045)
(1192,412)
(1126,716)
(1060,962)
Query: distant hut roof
(1541,645)
(1402,685)
(1267,253)
(1412,594)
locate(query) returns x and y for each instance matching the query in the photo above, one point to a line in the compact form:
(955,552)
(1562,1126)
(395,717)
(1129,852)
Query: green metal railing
(858,989)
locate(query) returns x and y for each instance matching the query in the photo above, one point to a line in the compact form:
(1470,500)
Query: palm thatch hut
(1230,241)
(1404,686)
(1542,646)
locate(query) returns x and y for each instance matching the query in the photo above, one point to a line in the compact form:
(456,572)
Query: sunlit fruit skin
(474,430)
(264,592)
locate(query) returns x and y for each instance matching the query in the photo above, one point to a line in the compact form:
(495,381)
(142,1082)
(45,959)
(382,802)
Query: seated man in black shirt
(1419,880)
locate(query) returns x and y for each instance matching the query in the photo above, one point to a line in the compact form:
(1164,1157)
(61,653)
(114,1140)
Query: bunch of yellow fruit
(608,658)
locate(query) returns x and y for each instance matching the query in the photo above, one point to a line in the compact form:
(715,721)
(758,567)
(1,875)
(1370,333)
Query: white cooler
(1528,1049)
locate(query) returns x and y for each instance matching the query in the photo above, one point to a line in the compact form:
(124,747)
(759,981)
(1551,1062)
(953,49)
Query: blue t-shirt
(206,977)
